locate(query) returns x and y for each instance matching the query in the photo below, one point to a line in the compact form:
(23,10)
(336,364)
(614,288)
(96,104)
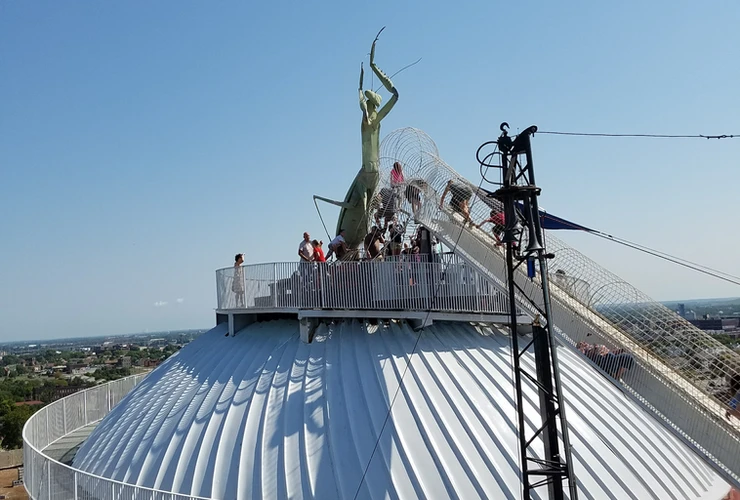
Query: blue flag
(553,222)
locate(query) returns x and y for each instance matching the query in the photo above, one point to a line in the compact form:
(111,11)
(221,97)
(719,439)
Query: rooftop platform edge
(239,318)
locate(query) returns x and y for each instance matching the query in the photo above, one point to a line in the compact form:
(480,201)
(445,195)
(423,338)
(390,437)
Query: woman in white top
(337,246)
(237,285)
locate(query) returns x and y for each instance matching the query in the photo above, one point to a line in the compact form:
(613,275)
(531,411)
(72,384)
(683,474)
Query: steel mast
(518,194)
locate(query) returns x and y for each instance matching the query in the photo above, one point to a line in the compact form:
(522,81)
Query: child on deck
(318,252)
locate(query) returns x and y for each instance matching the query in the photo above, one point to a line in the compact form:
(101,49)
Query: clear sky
(143,144)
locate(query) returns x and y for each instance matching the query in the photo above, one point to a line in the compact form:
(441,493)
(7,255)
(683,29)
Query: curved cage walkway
(681,371)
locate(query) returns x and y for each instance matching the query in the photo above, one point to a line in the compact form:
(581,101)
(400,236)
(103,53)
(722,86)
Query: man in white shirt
(305,252)
(305,249)
(338,246)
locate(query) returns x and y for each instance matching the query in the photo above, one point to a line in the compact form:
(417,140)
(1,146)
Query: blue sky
(143,144)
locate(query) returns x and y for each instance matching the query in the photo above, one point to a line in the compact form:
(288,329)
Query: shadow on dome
(263,415)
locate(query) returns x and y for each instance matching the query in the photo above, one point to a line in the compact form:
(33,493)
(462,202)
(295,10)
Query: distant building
(147,363)
(125,361)
(75,368)
(682,310)
(716,324)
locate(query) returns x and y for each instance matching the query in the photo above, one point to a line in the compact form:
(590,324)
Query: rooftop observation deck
(417,288)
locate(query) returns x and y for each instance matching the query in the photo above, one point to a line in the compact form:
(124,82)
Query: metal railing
(49,479)
(679,371)
(446,285)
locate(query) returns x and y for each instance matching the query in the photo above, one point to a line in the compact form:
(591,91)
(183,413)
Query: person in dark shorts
(413,191)
(374,242)
(337,246)
(396,232)
(387,202)
(460,201)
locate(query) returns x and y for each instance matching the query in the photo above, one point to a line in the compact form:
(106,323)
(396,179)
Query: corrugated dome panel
(264,415)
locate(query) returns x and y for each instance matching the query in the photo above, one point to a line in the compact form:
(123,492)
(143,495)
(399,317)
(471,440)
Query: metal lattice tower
(518,194)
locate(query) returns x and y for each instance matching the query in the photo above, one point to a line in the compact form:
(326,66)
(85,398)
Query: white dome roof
(263,415)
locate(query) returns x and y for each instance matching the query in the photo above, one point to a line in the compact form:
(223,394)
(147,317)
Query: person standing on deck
(337,246)
(305,252)
(318,252)
(237,285)
(305,249)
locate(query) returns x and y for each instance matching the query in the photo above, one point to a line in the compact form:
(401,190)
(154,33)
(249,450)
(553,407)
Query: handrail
(46,478)
(446,284)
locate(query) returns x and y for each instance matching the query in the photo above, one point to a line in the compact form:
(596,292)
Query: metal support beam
(307,328)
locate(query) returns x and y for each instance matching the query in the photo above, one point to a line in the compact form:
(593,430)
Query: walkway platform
(64,449)
(310,318)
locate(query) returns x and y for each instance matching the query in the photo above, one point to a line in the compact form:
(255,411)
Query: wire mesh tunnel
(592,303)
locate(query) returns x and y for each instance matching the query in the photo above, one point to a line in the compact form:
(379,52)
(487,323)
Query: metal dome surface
(264,415)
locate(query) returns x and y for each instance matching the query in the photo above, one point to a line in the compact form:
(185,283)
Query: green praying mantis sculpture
(353,216)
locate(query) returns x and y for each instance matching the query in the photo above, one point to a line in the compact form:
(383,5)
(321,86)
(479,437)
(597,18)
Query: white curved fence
(447,284)
(49,479)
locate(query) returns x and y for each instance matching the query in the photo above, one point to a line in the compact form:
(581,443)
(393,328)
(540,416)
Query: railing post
(218,290)
(48,473)
(75,484)
(64,414)
(48,441)
(322,284)
(430,284)
(84,409)
(274,285)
